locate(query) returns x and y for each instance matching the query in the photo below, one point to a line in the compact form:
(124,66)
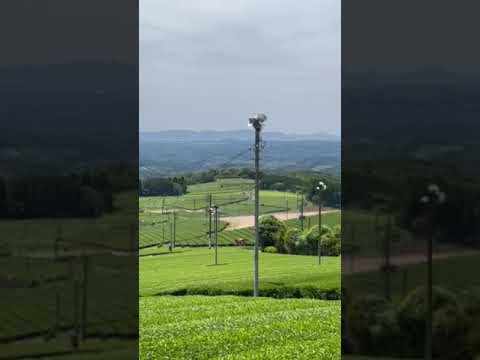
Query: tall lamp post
(431,199)
(257,121)
(320,188)
(214,211)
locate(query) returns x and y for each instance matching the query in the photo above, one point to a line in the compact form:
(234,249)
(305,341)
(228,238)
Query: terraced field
(228,327)
(233,196)
(43,299)
(192,229)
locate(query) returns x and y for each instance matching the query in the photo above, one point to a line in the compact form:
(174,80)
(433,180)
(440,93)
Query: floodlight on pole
(432,198)
(214,211)
(320,188)
(256,121)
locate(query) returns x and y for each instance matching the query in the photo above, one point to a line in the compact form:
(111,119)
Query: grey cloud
(214,66)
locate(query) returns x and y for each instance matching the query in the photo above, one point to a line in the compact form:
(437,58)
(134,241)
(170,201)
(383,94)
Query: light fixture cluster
(321,186)
(433,195)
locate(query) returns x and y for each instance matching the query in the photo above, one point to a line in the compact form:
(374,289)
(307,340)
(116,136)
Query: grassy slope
(193,269)
(230,327)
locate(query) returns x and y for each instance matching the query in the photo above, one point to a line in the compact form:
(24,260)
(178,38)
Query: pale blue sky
(209,64)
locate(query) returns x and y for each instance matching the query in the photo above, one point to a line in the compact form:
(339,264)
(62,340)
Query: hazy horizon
(208,66)
(286,132)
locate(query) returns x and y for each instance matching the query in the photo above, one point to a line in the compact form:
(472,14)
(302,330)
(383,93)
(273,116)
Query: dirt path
(369,264)
(169,210)
(241,222)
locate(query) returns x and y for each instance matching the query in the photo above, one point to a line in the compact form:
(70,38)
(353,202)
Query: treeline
(457,220)
(163,186)
(89,194)
(305,183)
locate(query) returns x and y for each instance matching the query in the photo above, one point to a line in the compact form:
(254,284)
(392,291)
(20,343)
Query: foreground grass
(192,271)
(228,327)
(60,348)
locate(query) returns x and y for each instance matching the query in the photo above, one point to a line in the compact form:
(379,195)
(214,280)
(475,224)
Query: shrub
(449,329)
(307,243)
(361,316)
(412,314)
(386,335)
(270,249)
(272,233)
(291,240)
(331,242)
(473,339)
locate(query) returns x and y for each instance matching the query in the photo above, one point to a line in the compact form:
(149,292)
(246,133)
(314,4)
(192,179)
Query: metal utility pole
(215,209)
(170,246)
(209,221)
(302,217)
(287,208)
(257,121)
(320,230)
(58,240)
(74,337)
(429,317)
(85,297)
(163,233)
(387,264)
(174,229)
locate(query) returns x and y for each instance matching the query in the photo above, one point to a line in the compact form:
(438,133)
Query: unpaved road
(241,222)
(369,264)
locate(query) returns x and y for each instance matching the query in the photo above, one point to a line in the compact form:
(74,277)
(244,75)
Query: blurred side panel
(68,179)
(411,195)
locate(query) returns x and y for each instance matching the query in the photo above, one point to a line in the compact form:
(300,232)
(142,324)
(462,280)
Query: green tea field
(191,308)
(186,216)
(229,327)
(192,270)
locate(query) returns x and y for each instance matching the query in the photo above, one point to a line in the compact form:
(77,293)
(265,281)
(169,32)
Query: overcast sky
(209,64)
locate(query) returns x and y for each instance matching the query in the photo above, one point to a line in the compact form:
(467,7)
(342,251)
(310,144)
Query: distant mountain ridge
(172,152)
(212,136)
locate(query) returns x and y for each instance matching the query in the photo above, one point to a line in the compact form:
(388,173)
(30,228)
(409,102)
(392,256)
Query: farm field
(192,270)
(229,327)
(191,308)
(234,198)
(59,349)
(111,231)
(91,275)
(192,229)
(39,283)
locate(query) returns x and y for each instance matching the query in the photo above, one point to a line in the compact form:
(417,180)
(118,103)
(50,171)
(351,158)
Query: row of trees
(85,195)
(456,221)
(276,236)
(163,186)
